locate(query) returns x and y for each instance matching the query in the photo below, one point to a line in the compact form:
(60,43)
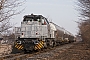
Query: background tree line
(8,9)
(84,24)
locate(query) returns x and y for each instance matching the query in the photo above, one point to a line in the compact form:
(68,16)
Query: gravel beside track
(5,49)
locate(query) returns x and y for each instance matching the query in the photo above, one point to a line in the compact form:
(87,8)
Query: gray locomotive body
(37,33)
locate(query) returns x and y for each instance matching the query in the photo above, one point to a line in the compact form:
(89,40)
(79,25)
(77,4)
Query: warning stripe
(16,45)
(19,46)
(39,45)
(42,42)
(36,48)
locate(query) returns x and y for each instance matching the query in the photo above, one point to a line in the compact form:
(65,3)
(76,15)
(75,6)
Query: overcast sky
(61,12)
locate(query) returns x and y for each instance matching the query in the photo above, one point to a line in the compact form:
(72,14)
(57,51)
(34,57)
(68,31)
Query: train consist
(37,33)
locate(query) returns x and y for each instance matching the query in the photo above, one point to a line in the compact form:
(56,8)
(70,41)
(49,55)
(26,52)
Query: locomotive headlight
(22,35)
(18,42)
(37,33)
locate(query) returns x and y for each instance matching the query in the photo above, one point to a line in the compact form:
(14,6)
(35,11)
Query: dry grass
(80,51)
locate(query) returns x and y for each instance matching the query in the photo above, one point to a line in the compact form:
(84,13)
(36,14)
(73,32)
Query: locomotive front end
(34,30)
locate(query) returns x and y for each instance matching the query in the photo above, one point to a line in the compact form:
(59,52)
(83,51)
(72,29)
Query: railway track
(3,57)
(20,56)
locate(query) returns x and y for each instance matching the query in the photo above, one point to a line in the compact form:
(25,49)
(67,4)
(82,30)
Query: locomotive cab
(35,18)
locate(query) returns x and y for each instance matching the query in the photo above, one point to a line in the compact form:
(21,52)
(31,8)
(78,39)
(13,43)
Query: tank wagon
(37,33)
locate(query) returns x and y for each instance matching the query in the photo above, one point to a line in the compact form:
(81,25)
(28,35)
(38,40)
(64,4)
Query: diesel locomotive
(37,33)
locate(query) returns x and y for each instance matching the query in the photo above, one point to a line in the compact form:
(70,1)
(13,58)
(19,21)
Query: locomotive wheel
(55,44)
(45,45)
(25,51)
(51,43)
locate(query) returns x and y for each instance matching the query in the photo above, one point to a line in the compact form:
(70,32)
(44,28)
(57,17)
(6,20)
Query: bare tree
(84,10)
(84,24)
(8,8)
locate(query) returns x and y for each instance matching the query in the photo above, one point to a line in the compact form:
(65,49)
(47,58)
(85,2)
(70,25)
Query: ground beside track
(75,51)
(5,49)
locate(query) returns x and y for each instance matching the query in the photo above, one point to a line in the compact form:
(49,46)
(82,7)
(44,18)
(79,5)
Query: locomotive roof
(33,16)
